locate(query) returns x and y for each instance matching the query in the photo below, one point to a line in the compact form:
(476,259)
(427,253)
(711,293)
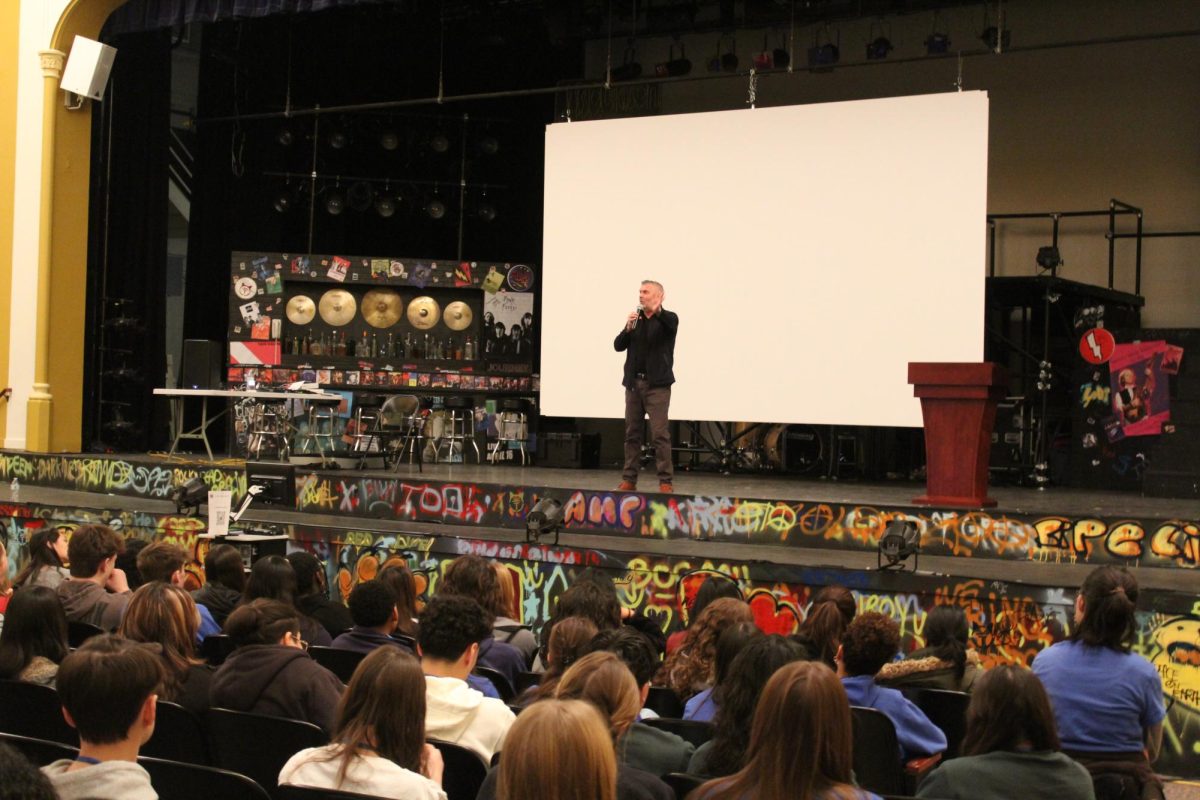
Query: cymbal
(424,313)
(337,307)
(381,308)
(458,316)
(301,309)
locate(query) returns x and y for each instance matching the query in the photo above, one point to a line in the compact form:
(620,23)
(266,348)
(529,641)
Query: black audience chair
(664,702)
(464,772)
(338,661)
(28,709)
(690,730)
(257,745)
(216,648)
(499,681)
(80,632)
(310,793)
(178,736)
(948,711)
(39,751)
(177,781)
(526,680)
(682,783)
(877,764)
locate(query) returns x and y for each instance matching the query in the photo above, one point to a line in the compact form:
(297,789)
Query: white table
(177,396)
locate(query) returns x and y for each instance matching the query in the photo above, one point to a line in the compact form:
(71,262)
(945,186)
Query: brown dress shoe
(666,488)
(627,486)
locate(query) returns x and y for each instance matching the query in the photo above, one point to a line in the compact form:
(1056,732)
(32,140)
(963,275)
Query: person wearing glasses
(270,672)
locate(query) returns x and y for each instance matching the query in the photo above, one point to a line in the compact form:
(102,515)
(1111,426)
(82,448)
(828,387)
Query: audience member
(452,626)
(373,609)
(702,706)
(561,751)
(692,668)
(165,614)
(273,578)
(6,588)
(801,745)
(224,580)
(713,588)
(127,562)
(97,591)
(34,640)
(163,561)
(588,600)
(871,641)
(399,579)
(651,749)
(312,595)
(22,780)
(1123,723)
(378,746)
(506,627)
(1010,746)
(108,688)
(47,556)
(269,672)
(630,618)
(572,637)
(737,699)
(945,662)
(832,609)
(473,577)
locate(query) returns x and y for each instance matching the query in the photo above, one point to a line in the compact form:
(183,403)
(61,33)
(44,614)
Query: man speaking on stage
(648,340)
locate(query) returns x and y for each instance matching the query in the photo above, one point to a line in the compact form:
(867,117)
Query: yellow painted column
(37,437)
(10,45)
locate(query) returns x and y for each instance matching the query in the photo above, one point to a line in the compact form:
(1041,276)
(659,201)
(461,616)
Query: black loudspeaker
(201,364)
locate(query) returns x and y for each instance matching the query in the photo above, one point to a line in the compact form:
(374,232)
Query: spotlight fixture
(674,67)
(389,140)
(385,206)
(545,518)
(901,540)
(487,212)
(360,196)
(285,198)
(188,496)
(878,48)
(488,146)
(439,143)
(338,138)
(435,208)
(335,201)
(1049,257)
(630,68)
(285,135)
(938,42)
(823,54)
(991,36)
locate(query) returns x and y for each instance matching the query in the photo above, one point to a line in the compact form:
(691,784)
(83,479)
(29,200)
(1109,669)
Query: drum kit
(381,308)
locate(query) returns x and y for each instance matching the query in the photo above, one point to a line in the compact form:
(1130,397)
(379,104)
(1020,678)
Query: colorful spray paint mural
(149,478)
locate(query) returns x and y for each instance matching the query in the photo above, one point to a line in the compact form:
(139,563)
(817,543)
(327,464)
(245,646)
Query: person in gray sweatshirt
(97,591)
(108,688)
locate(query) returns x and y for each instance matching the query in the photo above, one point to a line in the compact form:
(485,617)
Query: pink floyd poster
(1140,397)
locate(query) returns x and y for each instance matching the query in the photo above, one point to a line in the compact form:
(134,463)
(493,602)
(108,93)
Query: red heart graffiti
(771,615)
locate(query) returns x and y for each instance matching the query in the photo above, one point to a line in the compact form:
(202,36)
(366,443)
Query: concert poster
(1139,388)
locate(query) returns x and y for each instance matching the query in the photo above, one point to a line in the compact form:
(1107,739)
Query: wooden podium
(958,404)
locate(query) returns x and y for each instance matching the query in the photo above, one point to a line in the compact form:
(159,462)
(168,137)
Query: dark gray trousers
(654,401)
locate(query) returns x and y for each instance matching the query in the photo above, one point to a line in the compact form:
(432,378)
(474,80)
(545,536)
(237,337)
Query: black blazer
(660,333)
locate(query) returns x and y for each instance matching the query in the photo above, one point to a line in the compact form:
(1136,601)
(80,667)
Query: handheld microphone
(640,309)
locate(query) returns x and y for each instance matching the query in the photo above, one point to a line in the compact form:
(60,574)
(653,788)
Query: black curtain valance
(148,15)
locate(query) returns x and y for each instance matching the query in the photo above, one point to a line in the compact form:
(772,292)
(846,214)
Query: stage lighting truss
(901,540)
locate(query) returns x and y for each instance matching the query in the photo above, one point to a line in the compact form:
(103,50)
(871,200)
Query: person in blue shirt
(1108,702)
(163,561)
(871,641)
(801,745)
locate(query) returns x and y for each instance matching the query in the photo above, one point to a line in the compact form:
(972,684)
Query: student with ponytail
(1122,722)
(945,662)
(831,611)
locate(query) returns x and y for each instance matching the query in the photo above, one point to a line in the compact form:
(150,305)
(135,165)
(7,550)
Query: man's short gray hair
(656,284)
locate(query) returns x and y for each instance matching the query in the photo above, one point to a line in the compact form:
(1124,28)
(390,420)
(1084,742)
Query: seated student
(821,631)
(692,668)
(945,662)
(1120,727)
(713,588)
(224,580)
(593,595)
(127,562)
(650,749)
(163,561)
(378,746)
(399,579)
(47,554)
(738,697)
(561,750)
(312,594)
(6,588)
(22,780)
(505,627)
(373,608)
(1011,745)
(165,614)
(571,639)
(473,577)
(871,641)
(97,591)
(269,672)
(801,746)
(108,688)
(273,578)
(34,640)
(702,706)
(452,626)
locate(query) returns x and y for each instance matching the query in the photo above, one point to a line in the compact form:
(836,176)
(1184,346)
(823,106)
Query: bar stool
(366,426)
(267,426)
(319,433)
(511,426)
(460,427)
(400,419)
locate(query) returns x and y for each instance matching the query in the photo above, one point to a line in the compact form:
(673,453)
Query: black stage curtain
(125,354)
(149,15)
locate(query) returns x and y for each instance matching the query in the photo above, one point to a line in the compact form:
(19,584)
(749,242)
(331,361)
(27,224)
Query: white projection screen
(810,252)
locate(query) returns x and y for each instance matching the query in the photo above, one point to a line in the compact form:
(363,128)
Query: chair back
(464,773)
(27,709)
(79,632)
(877,764)
(216,648)
(39,751)
(948,711)
(499,680)
(690,730)
(310,793)
(176,781)
(526,680)
(682,783)
(178,736)
(338,661)
(1115,786)
(257,745)
(664,702)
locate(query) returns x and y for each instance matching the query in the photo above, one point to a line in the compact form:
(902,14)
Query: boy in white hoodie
(448,640)
(108,689)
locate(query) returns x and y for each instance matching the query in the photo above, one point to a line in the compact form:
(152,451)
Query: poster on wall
(507,331)
(1140,398)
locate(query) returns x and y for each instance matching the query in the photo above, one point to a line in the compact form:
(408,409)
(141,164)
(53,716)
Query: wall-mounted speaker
(88,66)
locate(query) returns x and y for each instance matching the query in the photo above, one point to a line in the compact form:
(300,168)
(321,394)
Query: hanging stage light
(338,138)
(284,200)
(990,37)
(335,201)
(360,196)
(487,212)
(878,48)
(488,146)
(439,143)
(435,208)
(285,135)
(389,140)
(385,206)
